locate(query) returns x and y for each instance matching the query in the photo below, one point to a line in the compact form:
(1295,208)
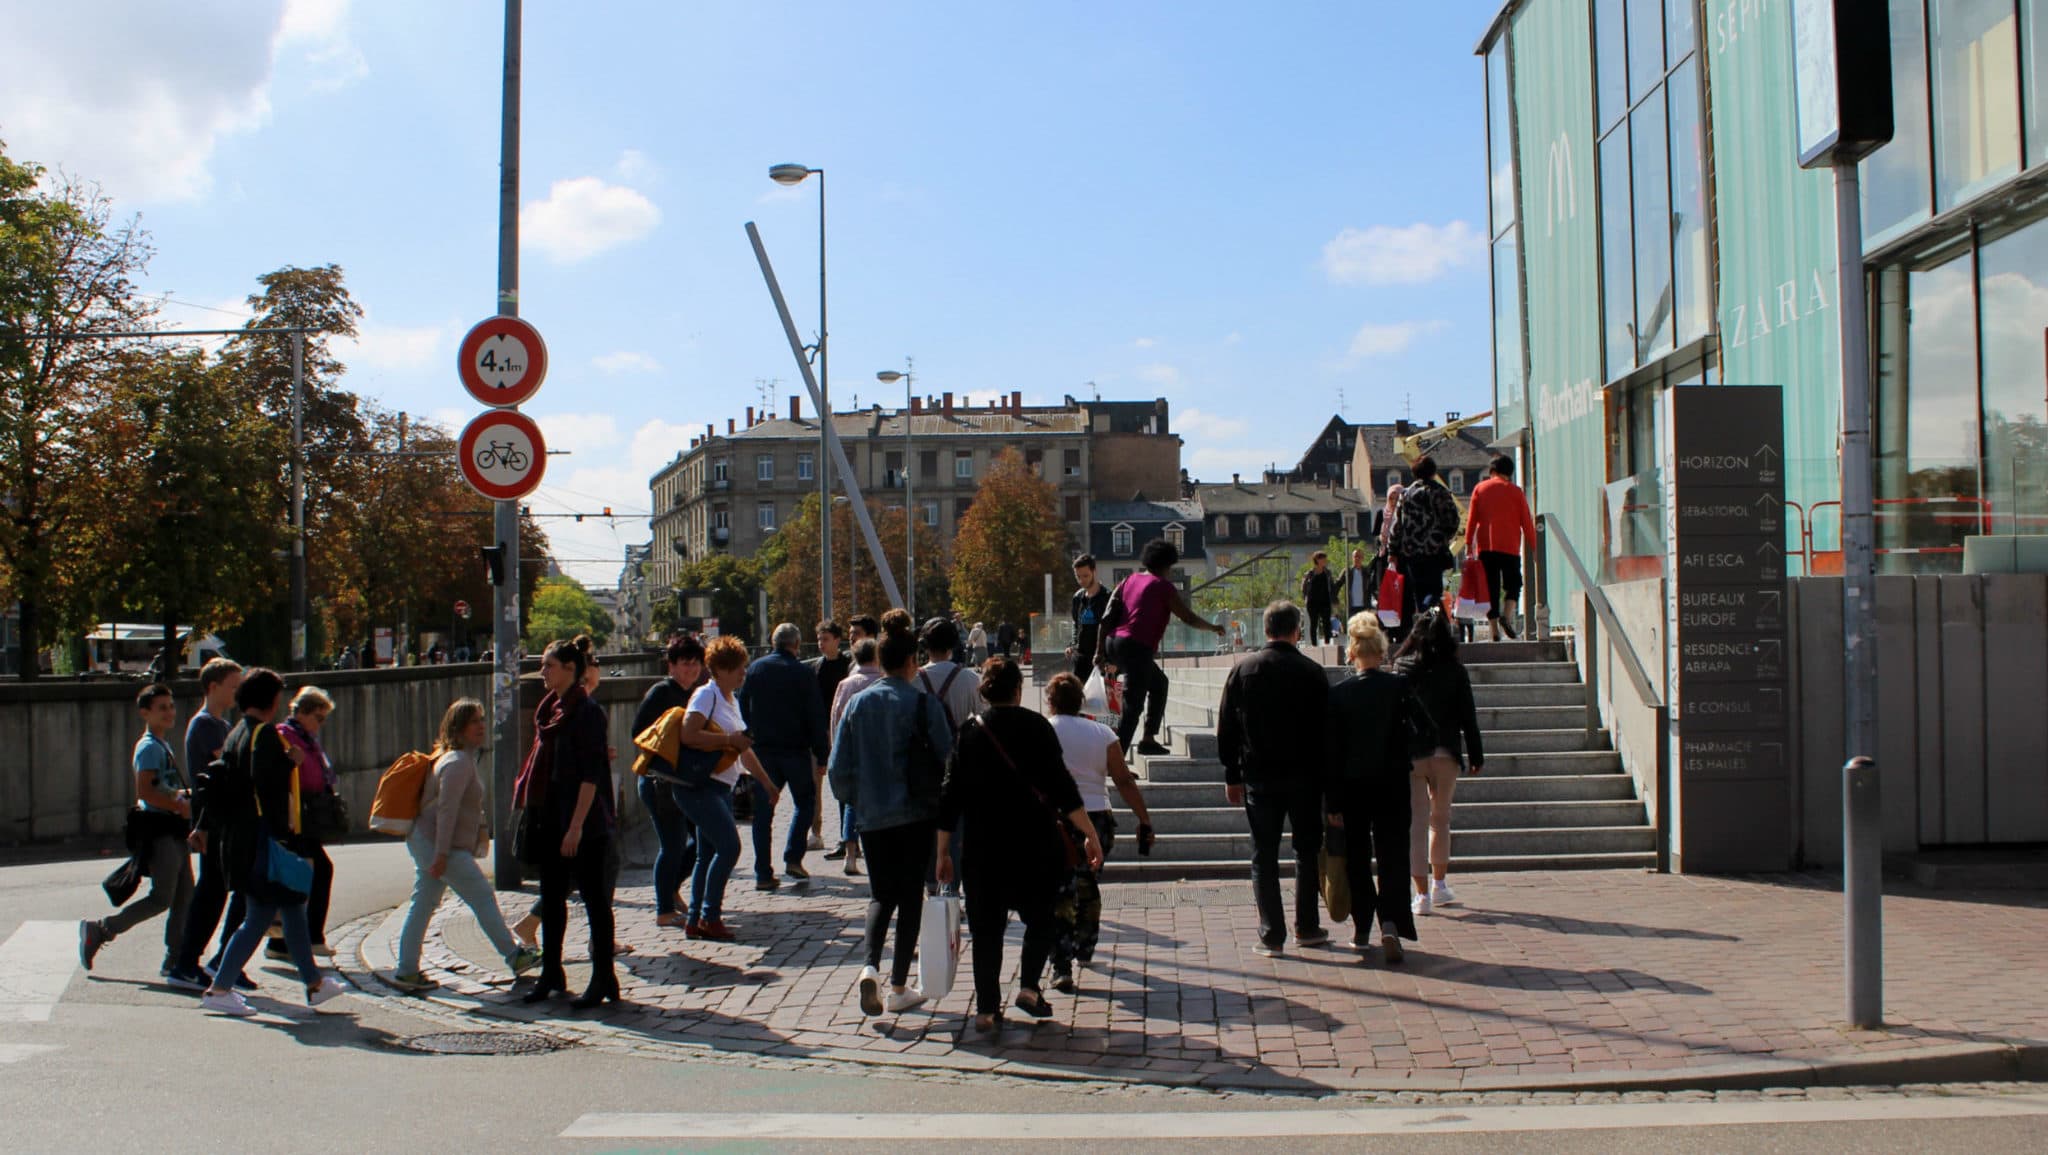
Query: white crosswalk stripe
(1268,1125)
(36,964)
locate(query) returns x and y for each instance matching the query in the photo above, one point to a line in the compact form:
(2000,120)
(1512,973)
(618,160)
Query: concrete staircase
(1553,796)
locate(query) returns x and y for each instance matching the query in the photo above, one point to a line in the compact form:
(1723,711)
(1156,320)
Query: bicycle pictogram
(501,453)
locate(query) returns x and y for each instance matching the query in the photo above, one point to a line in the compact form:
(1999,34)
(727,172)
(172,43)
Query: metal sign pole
(506,754)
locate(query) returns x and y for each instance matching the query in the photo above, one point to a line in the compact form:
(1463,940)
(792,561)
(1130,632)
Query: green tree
(1011,537)
(66,267)
(562,608)
(732,585)
(788,562)
(199,465)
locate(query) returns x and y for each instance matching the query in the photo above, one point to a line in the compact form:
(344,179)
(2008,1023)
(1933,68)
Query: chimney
(709,431)
(750,416)
(1401,427)
(1236,479)
(1017,402)
(947,400)
(796,408)
(916,406)
(728,427)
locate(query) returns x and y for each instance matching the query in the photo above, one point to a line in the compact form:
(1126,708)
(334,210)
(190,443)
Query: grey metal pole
(298,501)
(1862,845)
(824,417)
(909,505)
(506,754)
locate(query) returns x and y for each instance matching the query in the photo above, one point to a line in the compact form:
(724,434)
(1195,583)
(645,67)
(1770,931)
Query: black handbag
(926,774)
(529,833)
(121,885)
(325,816)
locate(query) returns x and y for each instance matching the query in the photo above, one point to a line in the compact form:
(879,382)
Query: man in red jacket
(1495,528)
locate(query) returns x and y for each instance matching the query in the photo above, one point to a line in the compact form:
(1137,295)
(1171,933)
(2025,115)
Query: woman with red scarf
(567,783)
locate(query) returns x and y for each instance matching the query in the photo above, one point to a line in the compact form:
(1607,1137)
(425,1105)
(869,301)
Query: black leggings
(1318,623)
(991,896)
(897,860)
(1144,688)
(589,871)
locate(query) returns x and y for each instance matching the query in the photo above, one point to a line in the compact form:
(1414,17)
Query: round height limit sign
(502,363)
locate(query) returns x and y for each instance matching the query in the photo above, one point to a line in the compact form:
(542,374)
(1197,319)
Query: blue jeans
(709,808)
(466,879)
(677,857)
(791,770)
(256,920)
(849,830)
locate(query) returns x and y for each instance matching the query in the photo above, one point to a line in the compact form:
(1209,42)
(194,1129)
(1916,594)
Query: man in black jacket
(1270,734)
(785,715)
(1319,595)
(1367,735)
(685,660)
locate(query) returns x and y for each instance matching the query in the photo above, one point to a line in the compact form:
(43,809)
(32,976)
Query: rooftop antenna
(765,387)
(1407,406)
(1340,401)
(1097,388)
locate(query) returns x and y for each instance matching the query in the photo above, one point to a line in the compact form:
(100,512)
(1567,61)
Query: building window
(764,468)
(806,467)
(1315,525)
(1072,459)
(1898,179)
(1457,479)
(892,464)
(1251,525)
(721,518)
(1222,529)
(1283,525)
(928,464)
(718,469)
(1350,525)
(1074,510)
(963,464)
(1393,478)
(1976,96)
(1120,542)
(2034,19)
(931,512)
(1177,536)
(764,516)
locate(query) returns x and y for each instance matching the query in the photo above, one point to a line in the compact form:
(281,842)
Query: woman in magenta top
(1131,632)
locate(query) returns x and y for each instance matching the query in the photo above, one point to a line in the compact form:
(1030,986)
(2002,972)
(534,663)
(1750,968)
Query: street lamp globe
(788,174)
(889,376)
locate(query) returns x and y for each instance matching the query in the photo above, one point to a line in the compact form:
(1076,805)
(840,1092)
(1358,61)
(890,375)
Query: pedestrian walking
(676,857)
(1008,790)
(714,723)
(1497,527)
(1319,597)
(1094,759)
(1423,533)
(1136,623)
(1360,585)
(867,670)
(1449,744)
(250,803)
(1090,602)
(1006,639)
(831,667)
(1269,734)
(448,836)
(301,731)
(1366,742)
(786,717)
(157,828)
(887,762)
(956,687)
(567,785)
(206,735)
(977,645)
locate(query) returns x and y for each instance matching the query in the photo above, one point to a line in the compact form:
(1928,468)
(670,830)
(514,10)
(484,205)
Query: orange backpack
(397,802)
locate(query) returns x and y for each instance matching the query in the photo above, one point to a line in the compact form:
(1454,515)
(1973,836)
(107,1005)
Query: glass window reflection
(1680,30)
(1616,259)
(2034,69)
(1652,201)
(1610,60)
(2014,303)
(1508,385)
(1690,267)
(1927,416)
(1898,179)
(1645,47)
(1499,141)
(1976,96)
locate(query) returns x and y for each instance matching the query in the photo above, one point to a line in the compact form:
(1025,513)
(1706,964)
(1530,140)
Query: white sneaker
(903,1000)
(1419,904)
(870,988)
(1440,894)
(330,988)
(226,1003)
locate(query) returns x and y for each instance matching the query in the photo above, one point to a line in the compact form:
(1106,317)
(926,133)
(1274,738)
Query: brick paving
(1537,978)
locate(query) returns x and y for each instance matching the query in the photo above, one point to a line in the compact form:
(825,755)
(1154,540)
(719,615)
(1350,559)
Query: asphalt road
(123,1063)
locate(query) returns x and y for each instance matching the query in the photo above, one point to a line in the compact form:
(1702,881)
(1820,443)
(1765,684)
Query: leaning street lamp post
(890,377)
(790,175)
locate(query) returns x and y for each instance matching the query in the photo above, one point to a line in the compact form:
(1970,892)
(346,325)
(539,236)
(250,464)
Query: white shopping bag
(1095,695)
(938,946)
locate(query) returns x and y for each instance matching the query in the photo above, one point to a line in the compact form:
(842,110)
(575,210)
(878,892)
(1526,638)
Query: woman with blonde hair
(450,833)
(1367,796)
(714,724)
(301,733)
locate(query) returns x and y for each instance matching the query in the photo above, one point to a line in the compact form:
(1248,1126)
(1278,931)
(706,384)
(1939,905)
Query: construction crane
(1412,447)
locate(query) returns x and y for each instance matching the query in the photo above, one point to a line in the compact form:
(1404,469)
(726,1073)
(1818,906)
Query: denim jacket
(871,754)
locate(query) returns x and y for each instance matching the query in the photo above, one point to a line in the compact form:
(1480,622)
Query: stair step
(1487,695)
(1565,717)
(1545,813)
(1494,653)
(1523,673)
(1538,788)
(1214,819)
(1133,869)
(1543,741)
(1554,763)
(1485,842)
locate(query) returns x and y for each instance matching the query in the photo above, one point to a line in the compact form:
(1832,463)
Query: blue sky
(1245,209)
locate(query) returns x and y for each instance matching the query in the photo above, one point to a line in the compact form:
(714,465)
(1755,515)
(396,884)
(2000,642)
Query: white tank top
(1085,744)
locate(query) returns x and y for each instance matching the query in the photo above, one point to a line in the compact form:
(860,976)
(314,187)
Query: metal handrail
(1607,619)
(1645,689)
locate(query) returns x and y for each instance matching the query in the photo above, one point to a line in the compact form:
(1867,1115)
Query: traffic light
(494,562)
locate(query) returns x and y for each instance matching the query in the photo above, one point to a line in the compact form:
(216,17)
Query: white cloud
(1375,340)
(1159,374)
(395,348)
(585,216)
(1144,343)
(627,361)
(1194,423)
(636,167)
(139,96)
(1233,338)
(1413,255)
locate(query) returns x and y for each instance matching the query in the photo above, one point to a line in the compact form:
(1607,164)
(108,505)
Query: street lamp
(789,176)
(890,377)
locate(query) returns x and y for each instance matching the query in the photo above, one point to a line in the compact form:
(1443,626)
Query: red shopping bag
(1393,593)
(1475,599)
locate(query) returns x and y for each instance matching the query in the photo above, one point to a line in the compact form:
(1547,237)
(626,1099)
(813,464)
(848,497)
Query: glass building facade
(1651,231)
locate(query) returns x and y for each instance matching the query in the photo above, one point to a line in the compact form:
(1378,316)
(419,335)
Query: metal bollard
(1863,893)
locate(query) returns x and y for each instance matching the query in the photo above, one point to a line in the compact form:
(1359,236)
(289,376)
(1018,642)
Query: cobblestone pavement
(1565,980)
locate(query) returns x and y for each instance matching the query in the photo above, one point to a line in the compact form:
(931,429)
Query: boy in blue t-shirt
(160,791)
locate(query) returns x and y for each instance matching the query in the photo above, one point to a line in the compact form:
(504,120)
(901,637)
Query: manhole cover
(483,1043)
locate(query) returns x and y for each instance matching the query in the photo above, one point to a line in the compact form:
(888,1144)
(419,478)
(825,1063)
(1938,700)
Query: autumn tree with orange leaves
(1010,539)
